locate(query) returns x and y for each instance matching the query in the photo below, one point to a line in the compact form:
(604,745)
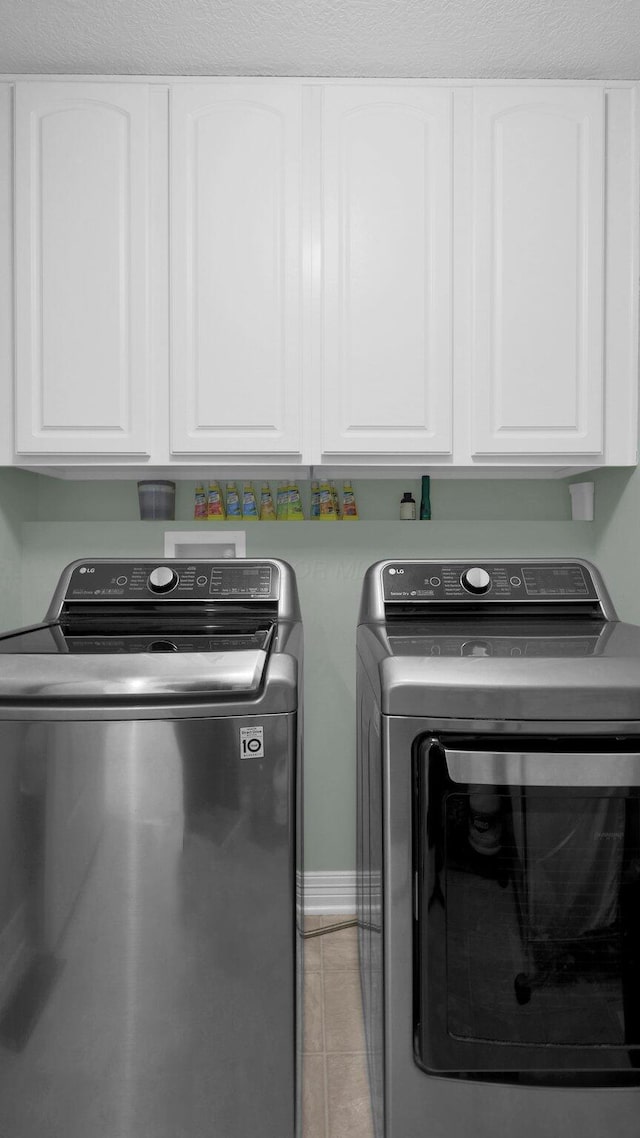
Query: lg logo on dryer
(86,569)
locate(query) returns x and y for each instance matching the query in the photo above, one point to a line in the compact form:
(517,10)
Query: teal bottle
(425,500)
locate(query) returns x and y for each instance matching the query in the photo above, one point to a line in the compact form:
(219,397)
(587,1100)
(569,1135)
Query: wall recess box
(186,544)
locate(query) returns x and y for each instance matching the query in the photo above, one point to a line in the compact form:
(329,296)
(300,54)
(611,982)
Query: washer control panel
(412,582)
(179,580)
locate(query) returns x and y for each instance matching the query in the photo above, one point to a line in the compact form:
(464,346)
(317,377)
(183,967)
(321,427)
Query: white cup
(581,501)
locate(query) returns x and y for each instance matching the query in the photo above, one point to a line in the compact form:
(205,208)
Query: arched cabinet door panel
(235,269)
(387,189)
(81,265)
(538,289)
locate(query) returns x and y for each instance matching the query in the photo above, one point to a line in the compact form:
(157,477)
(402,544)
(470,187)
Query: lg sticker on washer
(252,742)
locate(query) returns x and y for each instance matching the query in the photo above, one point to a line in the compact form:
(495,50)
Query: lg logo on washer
(392,572)
(86,569)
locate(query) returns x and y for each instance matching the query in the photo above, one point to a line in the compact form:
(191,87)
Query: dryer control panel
(510,581)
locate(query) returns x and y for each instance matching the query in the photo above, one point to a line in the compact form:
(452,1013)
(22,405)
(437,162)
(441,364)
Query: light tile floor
(335,1084)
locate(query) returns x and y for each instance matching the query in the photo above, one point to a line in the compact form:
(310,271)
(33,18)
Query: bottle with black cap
(425,499)
(408,507)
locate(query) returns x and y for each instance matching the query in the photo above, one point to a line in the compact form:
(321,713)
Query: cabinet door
(81,218)
(235,268)
(387,184)
(537,340)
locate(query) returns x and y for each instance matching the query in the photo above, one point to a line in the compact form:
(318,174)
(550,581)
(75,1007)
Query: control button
(515,581)
(121,580)
(201,580)
(476,580)
(163,579)
(435,581)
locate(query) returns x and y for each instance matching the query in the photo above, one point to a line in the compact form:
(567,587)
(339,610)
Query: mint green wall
(18,493)
(46,522)
(488,518)
(453,499)
(617,537)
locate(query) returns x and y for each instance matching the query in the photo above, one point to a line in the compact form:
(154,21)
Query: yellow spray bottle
(327,503)
(349,505)
(267,512)
(282,502)
(296,513)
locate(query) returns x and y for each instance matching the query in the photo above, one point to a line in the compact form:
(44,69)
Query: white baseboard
(330,892)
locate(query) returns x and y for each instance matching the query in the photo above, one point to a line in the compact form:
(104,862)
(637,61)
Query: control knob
(476,580)
(163,579)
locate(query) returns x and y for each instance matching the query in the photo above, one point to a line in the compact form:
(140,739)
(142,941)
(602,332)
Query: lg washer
(150,772)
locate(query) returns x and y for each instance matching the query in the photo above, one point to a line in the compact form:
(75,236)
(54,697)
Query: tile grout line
(325,1054)
(357,1054)
(324,1047)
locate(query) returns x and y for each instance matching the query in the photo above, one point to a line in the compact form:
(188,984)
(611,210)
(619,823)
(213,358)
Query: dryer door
(528,909)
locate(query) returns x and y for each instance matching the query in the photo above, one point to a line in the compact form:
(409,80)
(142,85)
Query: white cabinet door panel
(622,247)
(7,442)
(538,193)
(81,217)
(235,268)
(387,170)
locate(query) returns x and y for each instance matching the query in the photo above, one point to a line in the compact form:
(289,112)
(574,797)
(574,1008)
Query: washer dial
(476,580)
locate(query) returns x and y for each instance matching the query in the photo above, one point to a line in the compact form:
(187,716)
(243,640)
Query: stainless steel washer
(149,758)
(499,850)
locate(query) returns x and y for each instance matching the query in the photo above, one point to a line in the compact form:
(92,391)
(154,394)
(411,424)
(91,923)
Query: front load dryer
(499,850)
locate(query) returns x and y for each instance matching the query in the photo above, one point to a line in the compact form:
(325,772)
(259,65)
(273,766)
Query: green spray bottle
(425,499)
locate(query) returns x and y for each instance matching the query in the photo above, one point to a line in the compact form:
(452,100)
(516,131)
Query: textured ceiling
(432,38)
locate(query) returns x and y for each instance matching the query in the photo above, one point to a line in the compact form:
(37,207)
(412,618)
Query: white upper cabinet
(81,220)
(538,237)
(387,234)
(235,269)
(314,271)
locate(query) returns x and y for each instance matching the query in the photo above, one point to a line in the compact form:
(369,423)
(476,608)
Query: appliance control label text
(252,742)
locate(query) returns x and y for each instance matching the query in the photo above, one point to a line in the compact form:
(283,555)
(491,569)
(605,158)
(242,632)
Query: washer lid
(51,674)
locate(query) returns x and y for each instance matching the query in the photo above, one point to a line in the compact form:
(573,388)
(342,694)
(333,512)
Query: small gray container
(157,499)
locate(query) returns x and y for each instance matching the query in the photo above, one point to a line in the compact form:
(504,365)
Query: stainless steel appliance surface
(149,759)
(499,850)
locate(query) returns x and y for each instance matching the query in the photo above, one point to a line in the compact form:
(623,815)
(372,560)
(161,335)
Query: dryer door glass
(528,908)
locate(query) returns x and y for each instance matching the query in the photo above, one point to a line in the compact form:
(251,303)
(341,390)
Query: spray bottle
(267,512)
(200,505)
